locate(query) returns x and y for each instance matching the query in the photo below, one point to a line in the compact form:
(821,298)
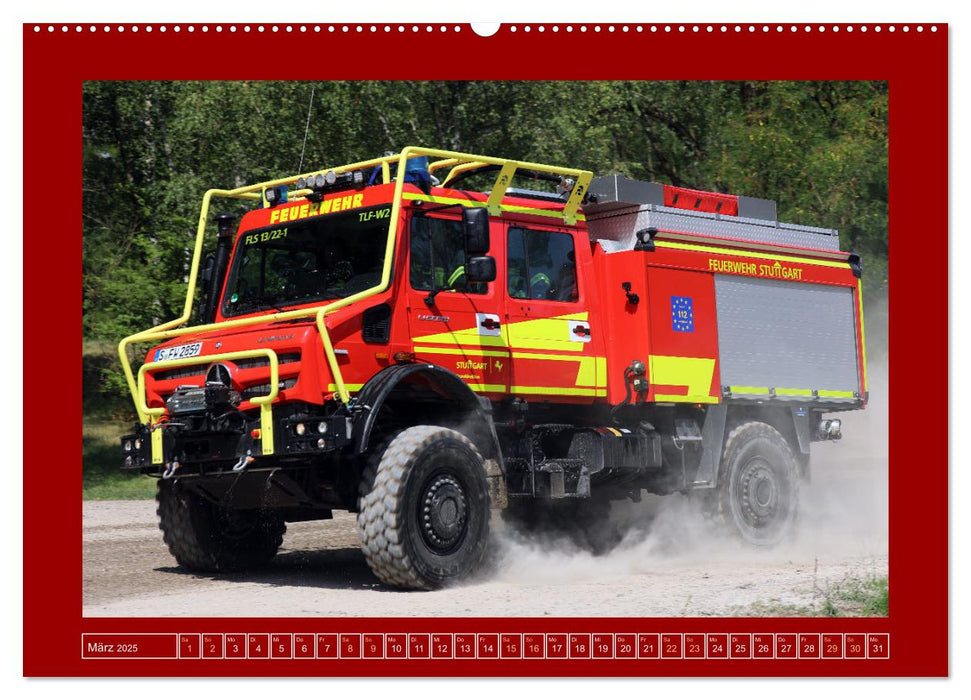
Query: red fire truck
(378,339)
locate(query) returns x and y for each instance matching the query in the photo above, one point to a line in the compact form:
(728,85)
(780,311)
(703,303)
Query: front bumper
(203,442)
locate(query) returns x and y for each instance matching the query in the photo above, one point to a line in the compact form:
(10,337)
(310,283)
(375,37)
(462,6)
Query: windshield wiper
(272,303)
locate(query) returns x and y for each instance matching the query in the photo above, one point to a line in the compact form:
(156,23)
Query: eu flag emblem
(682,315)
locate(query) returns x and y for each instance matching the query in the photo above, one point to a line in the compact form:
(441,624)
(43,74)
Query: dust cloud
(843,512)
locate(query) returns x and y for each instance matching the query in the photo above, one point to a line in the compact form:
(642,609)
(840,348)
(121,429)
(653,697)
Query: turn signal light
(255,433)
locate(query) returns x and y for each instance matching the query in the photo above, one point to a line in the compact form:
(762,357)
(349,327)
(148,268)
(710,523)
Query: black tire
(423,515)
(206,538)
(584,521)
(758,490)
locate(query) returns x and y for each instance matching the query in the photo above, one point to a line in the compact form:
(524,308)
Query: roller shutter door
(784,335)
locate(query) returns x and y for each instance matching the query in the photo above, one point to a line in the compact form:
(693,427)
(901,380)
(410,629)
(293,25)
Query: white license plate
(178,352)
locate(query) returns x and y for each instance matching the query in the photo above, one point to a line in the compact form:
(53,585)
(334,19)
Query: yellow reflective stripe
(859,293)
(587,372)
(466,338)
(266,428)
(747,254)
(533,334)
(512,209)
(501,388)
(462,350)
(615,431)
(546,333)
(544,356)
(157,446)
(557,391)
(764,391)
(349,387)
(693,372)
(601,371)
(548,344)
(677,398)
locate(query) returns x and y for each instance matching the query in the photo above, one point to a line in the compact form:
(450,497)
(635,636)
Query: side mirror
(481,269)
(206,285)
(205,274)
(475,224)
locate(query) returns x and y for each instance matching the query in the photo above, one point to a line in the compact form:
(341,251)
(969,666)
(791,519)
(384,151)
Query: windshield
(329,257)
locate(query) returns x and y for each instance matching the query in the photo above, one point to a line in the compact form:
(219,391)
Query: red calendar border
(915,64)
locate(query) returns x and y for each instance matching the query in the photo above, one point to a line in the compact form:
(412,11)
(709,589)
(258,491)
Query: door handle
(581,330)
(489,324)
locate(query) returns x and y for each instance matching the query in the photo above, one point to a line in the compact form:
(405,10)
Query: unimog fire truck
(377,338)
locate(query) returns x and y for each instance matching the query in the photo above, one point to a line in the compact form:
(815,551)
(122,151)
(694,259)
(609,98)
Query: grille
(200,370)
(285,358)
(180,373)
(376,326)
(251,392)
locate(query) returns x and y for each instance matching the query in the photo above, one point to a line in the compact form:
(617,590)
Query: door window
(438,256)
(541,265)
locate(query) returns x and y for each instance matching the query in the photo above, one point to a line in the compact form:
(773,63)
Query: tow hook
(243,461)
(170,469)
(166,424)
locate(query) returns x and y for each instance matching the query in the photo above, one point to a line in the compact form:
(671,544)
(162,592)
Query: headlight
(322,427)
(300,429)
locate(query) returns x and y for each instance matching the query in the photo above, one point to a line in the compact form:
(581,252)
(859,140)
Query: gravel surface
(671,563)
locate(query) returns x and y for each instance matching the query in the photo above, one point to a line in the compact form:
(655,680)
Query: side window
(438,256)
(541,265)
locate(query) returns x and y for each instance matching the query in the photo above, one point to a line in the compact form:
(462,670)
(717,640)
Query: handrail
(168,330)
(269,353)
(264,402)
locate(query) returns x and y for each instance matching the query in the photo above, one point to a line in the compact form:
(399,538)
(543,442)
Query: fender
(400,380)
(793,423)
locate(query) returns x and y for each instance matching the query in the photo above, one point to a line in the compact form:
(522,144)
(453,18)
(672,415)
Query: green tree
(151,149)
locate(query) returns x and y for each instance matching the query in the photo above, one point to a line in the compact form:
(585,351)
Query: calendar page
(535,350)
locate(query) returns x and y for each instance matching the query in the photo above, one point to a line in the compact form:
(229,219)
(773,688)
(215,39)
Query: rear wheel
(424,509)
(758,491)
(204,537)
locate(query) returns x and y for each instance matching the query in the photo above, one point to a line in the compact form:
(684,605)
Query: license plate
(178,352)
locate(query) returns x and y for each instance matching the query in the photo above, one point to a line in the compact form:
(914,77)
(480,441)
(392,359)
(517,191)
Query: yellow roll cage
(457,162)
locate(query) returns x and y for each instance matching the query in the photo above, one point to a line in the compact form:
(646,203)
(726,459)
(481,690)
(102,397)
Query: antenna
(306,131)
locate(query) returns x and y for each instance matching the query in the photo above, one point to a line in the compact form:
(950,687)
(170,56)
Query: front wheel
(758,491)
(202,536)
(423,514)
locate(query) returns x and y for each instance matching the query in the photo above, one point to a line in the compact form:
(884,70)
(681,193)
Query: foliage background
(151,149)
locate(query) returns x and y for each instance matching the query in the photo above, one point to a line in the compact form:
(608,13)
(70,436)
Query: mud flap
(498,497)
(712,435)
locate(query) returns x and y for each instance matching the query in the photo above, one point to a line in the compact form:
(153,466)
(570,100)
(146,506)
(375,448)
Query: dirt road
(670,564)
